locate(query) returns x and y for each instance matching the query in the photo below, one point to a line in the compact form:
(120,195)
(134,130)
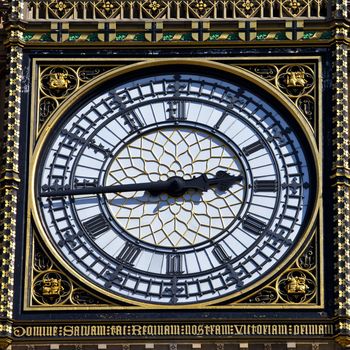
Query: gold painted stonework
(5,343)
(59,81)
(343,341)
(52,287)
(175,9)
(153,5)
(297,285)
(296,79)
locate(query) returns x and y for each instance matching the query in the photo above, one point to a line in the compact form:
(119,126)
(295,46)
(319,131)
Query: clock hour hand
(175,186)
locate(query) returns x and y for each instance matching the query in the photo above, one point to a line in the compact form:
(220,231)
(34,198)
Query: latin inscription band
(163,330)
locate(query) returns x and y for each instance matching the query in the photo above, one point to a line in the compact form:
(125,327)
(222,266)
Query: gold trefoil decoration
(295,79)
(297,285)
(59,81)
(52,287)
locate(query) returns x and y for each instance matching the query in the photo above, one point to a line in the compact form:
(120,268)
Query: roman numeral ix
(253,225)
(96,226)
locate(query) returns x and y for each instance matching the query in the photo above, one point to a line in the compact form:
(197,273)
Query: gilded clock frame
(234,66)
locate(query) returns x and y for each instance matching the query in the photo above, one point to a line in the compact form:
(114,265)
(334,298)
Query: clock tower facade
(174,175)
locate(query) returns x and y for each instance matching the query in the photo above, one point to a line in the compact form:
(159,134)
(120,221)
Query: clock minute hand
(158,186)
(175,186)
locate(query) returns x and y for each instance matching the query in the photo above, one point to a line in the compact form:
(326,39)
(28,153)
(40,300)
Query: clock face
(174,189)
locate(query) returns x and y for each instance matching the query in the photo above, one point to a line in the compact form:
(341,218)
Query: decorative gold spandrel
(296,285)
(50,286)
(57,83)
(267,295)
(296,81)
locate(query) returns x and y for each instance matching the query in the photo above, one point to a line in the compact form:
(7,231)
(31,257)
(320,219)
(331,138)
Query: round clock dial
(174,188)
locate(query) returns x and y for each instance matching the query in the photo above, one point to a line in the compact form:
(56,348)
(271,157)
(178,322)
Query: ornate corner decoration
(58,82)
(297,285)
(296,81)
(50,286)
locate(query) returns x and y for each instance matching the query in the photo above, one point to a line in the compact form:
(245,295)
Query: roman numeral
(177,110)
(132,121)
(96,226)
(265,185)
(221,120)
(174,264)
(129,253)
(253,225)
(220,254)
(254,147)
